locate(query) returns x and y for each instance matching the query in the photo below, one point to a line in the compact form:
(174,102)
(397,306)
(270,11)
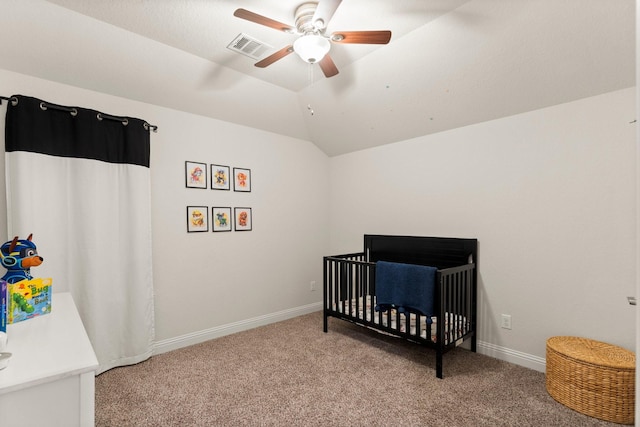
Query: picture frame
(241,179)
(197,219)
(221,219)
(195,174)
(220,178)
(243,219)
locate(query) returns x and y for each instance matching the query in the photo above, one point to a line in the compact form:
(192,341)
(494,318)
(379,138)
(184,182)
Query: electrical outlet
(312,285)
(506,321)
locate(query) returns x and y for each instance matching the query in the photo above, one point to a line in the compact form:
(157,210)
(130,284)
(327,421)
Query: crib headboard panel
(440,252)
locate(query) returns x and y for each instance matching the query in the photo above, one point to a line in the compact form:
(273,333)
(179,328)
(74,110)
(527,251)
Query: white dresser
(50,379)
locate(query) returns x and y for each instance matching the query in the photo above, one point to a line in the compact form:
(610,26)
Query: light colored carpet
(293,374)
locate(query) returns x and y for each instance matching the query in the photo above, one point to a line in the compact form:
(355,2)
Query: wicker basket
(592,377)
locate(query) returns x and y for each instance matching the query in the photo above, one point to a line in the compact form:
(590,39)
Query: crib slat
(349,277)
(457,308)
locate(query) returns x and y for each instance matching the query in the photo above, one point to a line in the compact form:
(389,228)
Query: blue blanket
(406,287)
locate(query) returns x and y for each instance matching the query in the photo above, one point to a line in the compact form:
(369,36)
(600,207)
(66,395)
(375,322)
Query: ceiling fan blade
(362,37)
(324,13)
(328,67)
(274,57)
(262,20)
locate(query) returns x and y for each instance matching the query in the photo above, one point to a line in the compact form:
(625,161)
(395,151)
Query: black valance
(37,126)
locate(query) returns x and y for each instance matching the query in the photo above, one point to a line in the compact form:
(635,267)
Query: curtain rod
(74,112)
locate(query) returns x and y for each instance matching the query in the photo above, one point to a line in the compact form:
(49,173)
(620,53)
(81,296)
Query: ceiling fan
(313,45)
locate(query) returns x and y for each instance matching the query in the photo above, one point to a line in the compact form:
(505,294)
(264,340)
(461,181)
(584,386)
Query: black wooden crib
(427,289)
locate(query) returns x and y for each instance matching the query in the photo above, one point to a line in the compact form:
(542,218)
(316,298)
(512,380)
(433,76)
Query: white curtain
(85,196)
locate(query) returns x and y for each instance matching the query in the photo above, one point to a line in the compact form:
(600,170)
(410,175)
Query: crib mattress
(455,325)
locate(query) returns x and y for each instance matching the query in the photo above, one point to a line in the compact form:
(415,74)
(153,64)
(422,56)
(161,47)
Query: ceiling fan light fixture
(311,47)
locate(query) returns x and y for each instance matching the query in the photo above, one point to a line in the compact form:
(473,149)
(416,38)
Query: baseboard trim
(186,340)
(508,355)
(163,346)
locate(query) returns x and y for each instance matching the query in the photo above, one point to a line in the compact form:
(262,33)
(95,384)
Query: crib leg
(474,343)
(439,364)
(326,323)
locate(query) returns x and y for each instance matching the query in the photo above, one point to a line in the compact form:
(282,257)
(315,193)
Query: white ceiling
(450,63)
(205,28)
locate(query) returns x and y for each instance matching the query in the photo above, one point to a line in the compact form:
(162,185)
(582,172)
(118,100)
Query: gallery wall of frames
(206,218)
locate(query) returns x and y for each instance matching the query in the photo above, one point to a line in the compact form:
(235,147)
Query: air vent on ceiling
(248,46)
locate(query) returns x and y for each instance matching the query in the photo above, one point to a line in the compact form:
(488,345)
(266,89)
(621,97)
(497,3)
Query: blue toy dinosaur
(18,256)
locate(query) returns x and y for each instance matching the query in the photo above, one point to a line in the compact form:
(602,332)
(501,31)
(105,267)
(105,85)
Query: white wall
(205,281)
(549,194)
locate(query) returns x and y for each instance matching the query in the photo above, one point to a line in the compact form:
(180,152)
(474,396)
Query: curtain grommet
(43,106)
(74,112)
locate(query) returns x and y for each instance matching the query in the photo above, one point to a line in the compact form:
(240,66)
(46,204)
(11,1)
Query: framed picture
(221,219)
(197,218)
(243,219)
(195,174)
(241,179)
(220,179)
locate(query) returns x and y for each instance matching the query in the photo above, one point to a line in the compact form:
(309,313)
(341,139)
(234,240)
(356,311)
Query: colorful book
(4,292)
(29,298)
